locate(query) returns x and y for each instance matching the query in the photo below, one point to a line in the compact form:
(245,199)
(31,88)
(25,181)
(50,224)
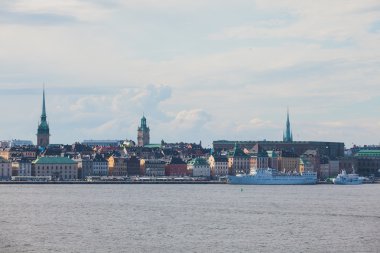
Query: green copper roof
(43,127)
(198,161)
(53,160)
(368,153)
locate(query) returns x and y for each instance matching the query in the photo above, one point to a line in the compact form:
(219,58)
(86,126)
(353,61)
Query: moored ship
(344,178)
(273,177)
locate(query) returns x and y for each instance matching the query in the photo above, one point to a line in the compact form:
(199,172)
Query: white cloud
(191,119)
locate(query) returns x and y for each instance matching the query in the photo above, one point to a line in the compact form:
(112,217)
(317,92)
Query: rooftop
(53,160)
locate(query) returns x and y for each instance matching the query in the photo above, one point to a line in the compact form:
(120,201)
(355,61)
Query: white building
(22,167)
(218,165)
(57,167)
(199,167)
(5,169)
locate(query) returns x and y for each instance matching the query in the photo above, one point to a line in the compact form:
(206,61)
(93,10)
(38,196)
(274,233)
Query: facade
(259,160)
(5,169)
(118,166)
(218,165)
(238,162)
(143,135)
(310,161)
(199,167)
(288,161)
(100,166)
(152,167)
(368,163)
(333,150)
(61,168)
(329,169)
(18,152)
(133,166)
(43,132)
(273,160)
(22,167)
(176,167)
(85,167)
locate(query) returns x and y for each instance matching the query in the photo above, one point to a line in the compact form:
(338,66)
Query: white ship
(273,177)
(344,178)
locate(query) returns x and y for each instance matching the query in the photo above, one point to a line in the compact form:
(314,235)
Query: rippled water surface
(189,218)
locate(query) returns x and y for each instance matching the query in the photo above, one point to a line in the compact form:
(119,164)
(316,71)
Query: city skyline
(230,77)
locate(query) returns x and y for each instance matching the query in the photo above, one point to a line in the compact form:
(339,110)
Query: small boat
(344,178)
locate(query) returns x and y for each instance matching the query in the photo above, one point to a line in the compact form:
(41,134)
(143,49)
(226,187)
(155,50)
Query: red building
(176,167)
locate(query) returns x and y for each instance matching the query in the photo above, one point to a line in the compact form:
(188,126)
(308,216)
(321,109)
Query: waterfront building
(152,167)
(273,159)
(22,167)
(310,161)
(133,166)
(61,168)
(259,160)
(288,161)
(5,169)
(199,167)
(328,169)
(143,137)
(43,132)
(117,166)
(368,162)
(332,150)
(100,166)
(238,161)
(85,167)
(218,165)
(176,167)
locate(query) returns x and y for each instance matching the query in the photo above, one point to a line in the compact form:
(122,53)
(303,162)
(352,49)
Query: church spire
(288,136)
(43,131)
(43,115)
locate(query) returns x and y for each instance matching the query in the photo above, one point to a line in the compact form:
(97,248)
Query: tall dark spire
(43,131)
(288,136)
(43,115)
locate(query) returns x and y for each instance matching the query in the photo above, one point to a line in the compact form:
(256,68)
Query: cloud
(191,119)
(54,11)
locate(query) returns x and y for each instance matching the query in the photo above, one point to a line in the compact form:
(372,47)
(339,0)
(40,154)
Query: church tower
(143,133)
(287,135)
(43,133)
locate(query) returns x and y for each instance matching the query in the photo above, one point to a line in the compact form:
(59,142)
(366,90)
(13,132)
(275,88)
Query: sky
(198,70)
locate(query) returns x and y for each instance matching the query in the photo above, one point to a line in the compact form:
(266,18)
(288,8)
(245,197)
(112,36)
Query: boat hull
(346,182)
(252,180)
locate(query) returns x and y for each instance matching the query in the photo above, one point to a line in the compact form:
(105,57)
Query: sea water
(189,218)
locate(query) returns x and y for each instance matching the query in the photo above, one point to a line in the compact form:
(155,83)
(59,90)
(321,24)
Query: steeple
(43,115)
(143,137)
(287,136)
(43,132)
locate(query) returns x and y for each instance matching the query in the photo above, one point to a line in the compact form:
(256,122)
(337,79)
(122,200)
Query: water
(189,218)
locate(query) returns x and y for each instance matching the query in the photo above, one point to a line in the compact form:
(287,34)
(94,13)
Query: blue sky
(199,70)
